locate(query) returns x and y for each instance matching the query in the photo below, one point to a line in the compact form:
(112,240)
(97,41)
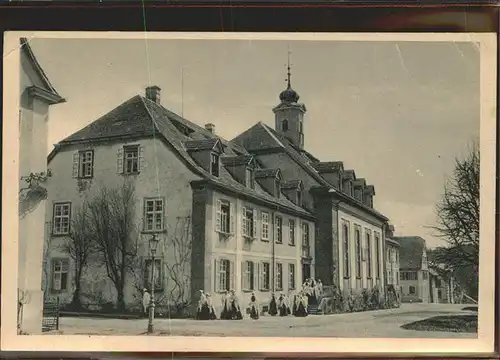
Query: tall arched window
(284,125)
(368,255)
(345,230)
(358,253)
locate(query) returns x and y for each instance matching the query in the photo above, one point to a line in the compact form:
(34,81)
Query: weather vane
(289,75)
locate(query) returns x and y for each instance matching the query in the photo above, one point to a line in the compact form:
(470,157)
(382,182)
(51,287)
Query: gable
(130,117)
(411,251)
(33,71)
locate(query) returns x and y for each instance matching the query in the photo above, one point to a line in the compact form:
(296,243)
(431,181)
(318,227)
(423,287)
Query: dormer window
(214,164)
(350,190)
(299,197)
(277,187)
(284,125)
(249,178)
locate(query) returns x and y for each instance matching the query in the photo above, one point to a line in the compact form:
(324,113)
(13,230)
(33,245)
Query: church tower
(289,114)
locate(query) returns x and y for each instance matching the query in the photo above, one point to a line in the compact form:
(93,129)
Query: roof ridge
(271,133)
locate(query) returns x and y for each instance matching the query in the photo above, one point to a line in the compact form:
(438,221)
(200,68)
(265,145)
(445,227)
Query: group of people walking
(230,307)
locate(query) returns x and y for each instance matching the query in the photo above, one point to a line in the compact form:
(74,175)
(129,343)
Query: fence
(50,316)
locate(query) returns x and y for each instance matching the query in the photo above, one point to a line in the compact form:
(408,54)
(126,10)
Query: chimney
(153,93)
(210,127)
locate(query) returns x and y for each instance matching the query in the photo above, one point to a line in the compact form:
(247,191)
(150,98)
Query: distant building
(392,261)
(36,96)
(414,270)
(442,282)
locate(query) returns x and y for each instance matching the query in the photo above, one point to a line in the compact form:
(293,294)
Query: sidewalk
(378,324)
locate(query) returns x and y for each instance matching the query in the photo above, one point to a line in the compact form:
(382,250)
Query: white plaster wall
(236,249)
(164,175)
(34,115)
(352,251)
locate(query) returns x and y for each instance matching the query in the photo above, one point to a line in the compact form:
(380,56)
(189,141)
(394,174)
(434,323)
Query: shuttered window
(130,159)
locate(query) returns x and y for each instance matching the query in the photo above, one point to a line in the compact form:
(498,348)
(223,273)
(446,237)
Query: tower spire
(289,95)
(289,74)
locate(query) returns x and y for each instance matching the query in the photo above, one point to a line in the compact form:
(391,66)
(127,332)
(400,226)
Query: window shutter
(255,230)
(119,160)
(159,275)
(93,164)
(244,285)
(218,220)
(255,275)
(276,287)
(232,229)
(231,275)
(142,162)
(243,219)
(76,162)
(217,275)
(275,228)
(260,270)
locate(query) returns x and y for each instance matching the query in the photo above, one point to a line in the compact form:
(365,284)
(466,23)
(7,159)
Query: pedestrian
(235,307)
(202,312)
(254,307)
(225,313)
(211,309)
(273,307)
(282,305)
(320,288)
(146,299)
(301,305)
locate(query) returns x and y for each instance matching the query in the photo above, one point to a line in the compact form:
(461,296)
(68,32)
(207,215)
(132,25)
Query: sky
(398,113)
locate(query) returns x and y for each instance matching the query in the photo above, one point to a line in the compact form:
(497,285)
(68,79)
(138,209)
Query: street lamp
(153,244)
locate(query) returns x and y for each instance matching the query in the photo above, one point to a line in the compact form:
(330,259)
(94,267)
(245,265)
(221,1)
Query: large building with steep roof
(224,220)
(350,240)
(263,213)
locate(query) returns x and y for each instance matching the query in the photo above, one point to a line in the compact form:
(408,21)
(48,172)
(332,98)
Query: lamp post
(153,244)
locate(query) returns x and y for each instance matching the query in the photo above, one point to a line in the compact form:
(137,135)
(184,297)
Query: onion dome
(289,95)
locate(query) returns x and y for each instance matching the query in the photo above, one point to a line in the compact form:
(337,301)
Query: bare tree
(111,222)
(178,247)
(79,247)
(458,214)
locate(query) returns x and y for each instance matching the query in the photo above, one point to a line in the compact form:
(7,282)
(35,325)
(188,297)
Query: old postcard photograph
(235,192)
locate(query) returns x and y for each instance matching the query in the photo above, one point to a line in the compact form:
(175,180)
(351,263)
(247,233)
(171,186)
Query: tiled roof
(349,174)
(236,160)
(360,182)
(291,184)
(370,189)
(392,242)
(130,117)
(261,137)
(142,117)
(264,173)
(199,145)
(410,252)
(329,166)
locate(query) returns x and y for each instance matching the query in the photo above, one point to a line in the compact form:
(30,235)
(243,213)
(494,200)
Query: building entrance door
(306,272)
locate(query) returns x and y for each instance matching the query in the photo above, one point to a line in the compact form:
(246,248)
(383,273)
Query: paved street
(381,323)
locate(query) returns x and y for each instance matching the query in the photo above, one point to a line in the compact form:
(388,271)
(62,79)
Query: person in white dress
(146,299)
